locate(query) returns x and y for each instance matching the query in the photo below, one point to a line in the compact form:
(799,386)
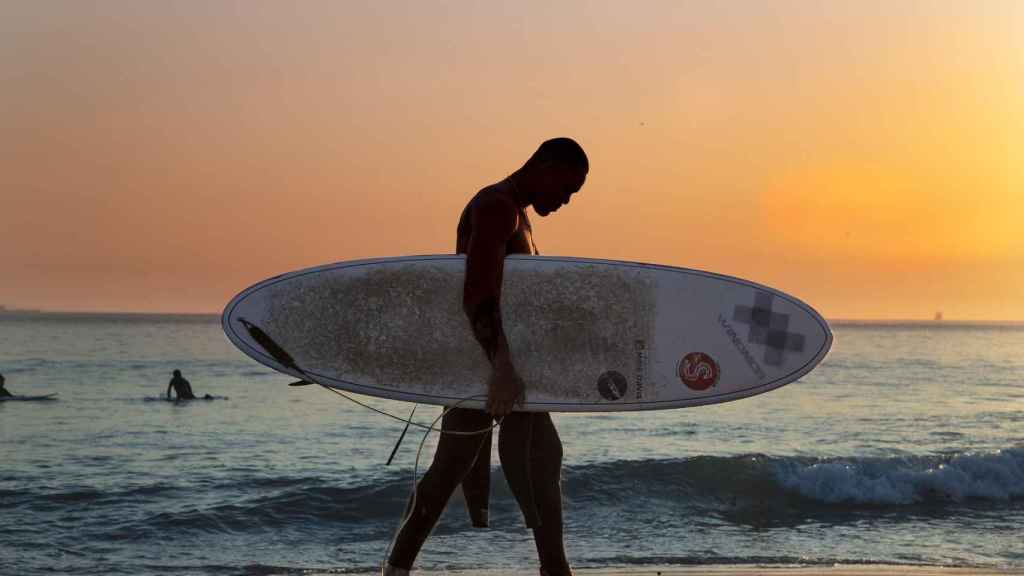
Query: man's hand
(505,390)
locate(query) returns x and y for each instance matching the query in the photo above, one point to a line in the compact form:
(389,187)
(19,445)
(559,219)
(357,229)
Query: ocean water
(906,446)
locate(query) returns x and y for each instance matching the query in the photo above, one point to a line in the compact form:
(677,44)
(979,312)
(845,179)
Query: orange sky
(864,156)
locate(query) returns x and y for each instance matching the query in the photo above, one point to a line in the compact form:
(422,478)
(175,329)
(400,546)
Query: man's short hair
(561,151)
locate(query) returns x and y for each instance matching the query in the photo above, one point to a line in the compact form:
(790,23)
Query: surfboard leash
(277,352)
(286,359)
(416,464)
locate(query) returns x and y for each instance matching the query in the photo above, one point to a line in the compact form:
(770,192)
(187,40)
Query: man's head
(176,373)
(556,171)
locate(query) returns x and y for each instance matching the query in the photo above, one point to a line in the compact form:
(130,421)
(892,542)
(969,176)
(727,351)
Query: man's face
(558,183)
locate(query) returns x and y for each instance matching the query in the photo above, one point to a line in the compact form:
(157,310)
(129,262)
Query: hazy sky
(867,157)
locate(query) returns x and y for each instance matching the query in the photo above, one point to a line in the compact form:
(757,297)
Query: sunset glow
(864,156)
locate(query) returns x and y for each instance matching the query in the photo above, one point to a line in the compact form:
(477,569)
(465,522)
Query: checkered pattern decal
(768,328)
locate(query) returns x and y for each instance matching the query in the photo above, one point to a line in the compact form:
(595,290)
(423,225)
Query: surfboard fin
(268,344)
(402,437)
(302,383)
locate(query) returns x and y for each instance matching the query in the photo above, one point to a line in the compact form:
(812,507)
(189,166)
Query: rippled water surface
(905,446)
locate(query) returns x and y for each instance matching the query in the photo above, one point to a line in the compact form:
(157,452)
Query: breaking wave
(372,504)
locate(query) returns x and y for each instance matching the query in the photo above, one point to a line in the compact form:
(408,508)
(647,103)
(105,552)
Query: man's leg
(531,458)
(452,461)
(476,485)
(514,449)
(546,466)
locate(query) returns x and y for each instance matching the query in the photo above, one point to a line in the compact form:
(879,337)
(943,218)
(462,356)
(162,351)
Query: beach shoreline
(749,570)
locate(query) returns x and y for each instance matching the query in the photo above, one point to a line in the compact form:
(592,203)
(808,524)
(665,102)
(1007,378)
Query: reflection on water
(906,445)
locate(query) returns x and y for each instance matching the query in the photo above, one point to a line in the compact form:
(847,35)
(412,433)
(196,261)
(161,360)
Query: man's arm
(494,222)
(169,384)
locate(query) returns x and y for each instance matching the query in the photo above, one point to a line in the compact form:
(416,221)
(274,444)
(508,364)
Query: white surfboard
(586,335)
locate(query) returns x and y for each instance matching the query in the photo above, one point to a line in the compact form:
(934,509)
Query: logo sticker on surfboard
(612,385)
(698,371)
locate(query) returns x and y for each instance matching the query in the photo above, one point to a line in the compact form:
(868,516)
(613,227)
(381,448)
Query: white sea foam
(991,476)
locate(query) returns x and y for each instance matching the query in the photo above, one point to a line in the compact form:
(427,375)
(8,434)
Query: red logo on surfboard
(698,371)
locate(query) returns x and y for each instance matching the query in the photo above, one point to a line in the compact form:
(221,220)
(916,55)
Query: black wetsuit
(528,446)
(5,392)
(181,387)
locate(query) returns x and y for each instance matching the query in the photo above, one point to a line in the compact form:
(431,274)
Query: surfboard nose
(783,326)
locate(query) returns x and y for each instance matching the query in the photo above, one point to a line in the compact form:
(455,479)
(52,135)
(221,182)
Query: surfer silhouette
(181,387)
(4,391)
(492,225)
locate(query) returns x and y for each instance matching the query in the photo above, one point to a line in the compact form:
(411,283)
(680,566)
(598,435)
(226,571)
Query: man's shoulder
(492,201)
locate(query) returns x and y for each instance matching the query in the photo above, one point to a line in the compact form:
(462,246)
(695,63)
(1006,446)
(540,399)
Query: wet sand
(839,570)
(752,570)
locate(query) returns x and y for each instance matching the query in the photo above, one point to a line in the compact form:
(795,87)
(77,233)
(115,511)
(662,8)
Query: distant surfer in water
(4,391)
(493,225)
(181,387)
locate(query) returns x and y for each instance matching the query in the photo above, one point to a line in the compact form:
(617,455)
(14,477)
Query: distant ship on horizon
(938,316)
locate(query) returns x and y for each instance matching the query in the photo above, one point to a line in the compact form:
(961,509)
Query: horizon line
(837,320)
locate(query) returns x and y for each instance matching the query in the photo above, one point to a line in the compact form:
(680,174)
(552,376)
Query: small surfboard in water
(174,399)
(21,398)
(586,335)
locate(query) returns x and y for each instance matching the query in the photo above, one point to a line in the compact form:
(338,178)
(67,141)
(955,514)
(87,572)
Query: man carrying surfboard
(493,225)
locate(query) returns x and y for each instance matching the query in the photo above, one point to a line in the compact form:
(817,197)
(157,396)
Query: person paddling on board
(493,225)
(181,387)
(4,391)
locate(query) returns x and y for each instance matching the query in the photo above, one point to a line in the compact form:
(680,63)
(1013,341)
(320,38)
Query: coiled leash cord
(283,357)
(419,451)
